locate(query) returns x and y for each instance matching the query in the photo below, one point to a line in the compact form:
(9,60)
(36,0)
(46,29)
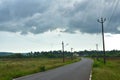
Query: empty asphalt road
(76,71)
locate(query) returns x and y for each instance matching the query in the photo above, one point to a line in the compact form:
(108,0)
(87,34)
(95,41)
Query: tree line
(59,54)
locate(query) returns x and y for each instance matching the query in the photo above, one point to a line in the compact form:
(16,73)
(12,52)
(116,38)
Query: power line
(103,10)
(113,12)
(114,5)
(105,6)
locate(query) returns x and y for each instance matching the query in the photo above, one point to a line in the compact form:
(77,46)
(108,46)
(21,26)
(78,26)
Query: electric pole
(71,54)
(97,47)
(63,51)
(97,55)
(102,21)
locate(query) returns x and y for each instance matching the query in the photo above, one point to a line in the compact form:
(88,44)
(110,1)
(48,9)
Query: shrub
(42,68)
(97,64)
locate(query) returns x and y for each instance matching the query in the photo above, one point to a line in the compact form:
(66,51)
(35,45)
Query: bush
(97,64)
(42,68)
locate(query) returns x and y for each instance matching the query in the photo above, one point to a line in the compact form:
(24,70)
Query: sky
(42,25)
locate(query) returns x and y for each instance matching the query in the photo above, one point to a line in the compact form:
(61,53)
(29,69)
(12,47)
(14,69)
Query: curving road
(76,71)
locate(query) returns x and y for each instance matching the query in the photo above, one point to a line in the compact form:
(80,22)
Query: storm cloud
(39,16)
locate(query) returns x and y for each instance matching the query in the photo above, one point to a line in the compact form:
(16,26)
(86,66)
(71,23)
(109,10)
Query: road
(76,71)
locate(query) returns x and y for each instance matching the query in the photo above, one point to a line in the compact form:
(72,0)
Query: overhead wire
(100,13)
(115,5)
(105,7)
(113,12)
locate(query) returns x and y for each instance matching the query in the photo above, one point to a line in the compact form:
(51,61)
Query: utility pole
(97,47)
(63,51)
(71,54)
(97,52)
(102,21)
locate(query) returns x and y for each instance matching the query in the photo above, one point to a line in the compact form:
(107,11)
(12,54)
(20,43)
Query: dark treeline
(43,54)
(48,54)
(94,53)
(59,54)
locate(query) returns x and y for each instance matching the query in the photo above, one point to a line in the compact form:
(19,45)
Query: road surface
(76,71)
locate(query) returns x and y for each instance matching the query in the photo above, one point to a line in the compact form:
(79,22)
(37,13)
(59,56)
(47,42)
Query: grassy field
(109,71)
(12,68)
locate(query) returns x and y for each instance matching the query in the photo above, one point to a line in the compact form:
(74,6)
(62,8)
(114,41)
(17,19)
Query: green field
(109,71)
(12,68)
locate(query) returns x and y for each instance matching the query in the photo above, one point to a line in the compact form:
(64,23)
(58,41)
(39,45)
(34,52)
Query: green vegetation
(109,71)
(49,54)
(59,54)
(94,53)
(16,67)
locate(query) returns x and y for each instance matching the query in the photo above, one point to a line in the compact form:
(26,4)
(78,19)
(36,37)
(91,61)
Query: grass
(12,68)
(109,71)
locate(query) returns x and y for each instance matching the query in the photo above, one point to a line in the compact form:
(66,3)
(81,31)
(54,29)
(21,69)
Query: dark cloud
(16,9)
(40,16)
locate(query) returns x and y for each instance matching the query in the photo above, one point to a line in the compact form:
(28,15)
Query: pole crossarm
(101,20)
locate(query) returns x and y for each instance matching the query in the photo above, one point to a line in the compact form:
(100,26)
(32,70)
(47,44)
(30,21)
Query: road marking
(90,76)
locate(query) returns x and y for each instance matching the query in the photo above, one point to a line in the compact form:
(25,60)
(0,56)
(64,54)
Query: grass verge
(109,71)
(12,68)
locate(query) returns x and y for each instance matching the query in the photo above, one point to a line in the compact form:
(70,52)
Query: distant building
(75,54)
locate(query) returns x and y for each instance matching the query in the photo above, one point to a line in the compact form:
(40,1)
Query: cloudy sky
(41,25)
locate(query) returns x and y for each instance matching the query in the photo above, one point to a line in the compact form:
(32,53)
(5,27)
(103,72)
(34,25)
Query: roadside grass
(109,71)
(13,68)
